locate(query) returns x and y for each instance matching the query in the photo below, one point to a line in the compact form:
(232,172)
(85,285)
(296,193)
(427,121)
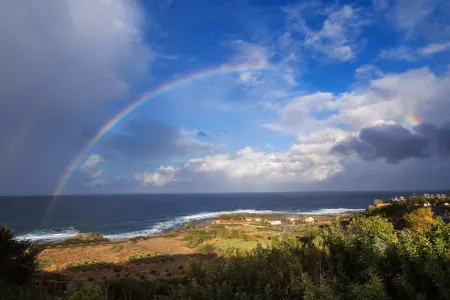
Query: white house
(402,198)
(248,219)
(446,204)
(309,220)
(257,219)
(217,221)
(275,222)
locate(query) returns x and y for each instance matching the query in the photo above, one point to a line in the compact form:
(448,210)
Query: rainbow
(138,103)
(413,120)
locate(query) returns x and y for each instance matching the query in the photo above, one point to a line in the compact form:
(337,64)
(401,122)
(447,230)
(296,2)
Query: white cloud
(251,53)
(92,161)
(408,54)
(427,18)
(398,53)
(366,72)
(337,37)
(297,114)
(162,177)
(434,48)
(248,78)
(254,167)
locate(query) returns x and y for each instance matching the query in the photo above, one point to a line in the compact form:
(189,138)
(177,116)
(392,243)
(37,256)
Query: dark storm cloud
(59,64)
(440,137)
(392,143)
(143,139)
(153,139)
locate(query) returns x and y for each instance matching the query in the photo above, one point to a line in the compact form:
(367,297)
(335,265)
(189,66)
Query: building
(275,222)
(257,219)
(292,219)
(308,220)
(248,219)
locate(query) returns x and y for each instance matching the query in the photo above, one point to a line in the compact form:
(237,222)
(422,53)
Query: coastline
(174,247)
(60,234)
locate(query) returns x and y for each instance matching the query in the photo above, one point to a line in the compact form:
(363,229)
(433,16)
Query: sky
(234,96)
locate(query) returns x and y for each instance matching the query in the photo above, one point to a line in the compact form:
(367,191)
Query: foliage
(84,238)
(144,257)
(378,201)
(233,247)
(87,265)
(206,248)
(116,248)
(78,291)
(363,257)
(420,219)
(17,258)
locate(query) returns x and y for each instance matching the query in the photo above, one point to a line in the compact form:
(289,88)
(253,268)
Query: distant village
(426,200)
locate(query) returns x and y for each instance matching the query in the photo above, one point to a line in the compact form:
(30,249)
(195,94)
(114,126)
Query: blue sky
(327,108)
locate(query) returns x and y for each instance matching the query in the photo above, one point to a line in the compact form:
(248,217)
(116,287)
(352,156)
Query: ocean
(120,216)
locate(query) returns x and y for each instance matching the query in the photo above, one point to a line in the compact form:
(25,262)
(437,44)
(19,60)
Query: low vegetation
(144,257)
(116,248)
(83,238)
(87,265)
(390,252)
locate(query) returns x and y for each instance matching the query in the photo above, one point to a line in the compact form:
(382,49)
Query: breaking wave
(49,235)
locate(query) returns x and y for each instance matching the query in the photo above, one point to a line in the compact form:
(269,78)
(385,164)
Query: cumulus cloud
(60,63)
(251,168)
(298,113)
(162,177)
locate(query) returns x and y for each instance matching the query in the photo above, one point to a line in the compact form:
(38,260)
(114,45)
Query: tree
(17,258)
(420,219)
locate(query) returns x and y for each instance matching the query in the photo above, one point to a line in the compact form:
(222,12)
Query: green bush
(116,248)
(206,248)
(235,246)
(78,291)
(84,238)
(17,258)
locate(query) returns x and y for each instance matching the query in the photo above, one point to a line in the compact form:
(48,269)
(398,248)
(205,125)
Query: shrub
(17,258)
(207,248)
(420,219)
(78,291)
(84,238)
(116,248)
(196,237)
(117,269)
(90,279)
(144,257)
(88,265)
(378,201)
(235,246)
(142,277)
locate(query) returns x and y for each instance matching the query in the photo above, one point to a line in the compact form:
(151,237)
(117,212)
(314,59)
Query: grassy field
(91,257)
